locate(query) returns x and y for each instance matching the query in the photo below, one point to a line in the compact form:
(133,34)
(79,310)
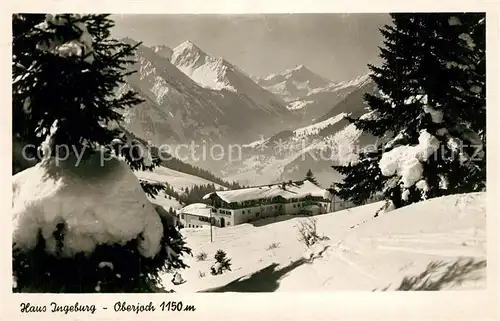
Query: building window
(294,206)
(242,212)
(182,216)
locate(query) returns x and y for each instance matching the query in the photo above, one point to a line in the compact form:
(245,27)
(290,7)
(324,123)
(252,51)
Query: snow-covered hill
(178,109)
(292,84)
(178,180)
(437,244)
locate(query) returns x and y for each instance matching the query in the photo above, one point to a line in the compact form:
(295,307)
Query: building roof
(290,190)
(198,209)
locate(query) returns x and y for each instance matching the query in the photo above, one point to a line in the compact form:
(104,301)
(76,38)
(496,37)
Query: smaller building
(198,215)
(195,215)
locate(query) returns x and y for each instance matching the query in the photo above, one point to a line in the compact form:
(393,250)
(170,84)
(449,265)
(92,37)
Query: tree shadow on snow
(264,280)
(439,274)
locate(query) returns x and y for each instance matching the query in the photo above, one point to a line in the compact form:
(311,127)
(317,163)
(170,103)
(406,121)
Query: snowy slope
(166,202)
(290,154)
(292,84)
(441,239)
(177,180)
(316,147)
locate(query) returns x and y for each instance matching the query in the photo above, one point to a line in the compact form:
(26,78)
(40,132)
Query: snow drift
(100,203)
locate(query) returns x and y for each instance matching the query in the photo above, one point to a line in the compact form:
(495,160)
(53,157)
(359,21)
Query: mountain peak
(188,45)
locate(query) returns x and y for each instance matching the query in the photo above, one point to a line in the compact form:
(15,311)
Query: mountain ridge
(178,109)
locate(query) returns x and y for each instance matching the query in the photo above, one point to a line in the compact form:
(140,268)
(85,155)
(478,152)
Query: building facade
(198,215)
(233,207)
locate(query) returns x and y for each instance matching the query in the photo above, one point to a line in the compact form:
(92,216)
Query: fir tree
(310,177)
(361,179)
(222,263)
(67,79)
(431,105)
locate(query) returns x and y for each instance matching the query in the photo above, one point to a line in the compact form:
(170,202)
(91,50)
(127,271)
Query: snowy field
(177,180)
(438,244)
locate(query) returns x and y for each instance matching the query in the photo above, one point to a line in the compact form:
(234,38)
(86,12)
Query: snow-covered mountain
(178,109)
(293,84)
(308,94)
(321,100)
(163,51)
(290,153)
(219,74)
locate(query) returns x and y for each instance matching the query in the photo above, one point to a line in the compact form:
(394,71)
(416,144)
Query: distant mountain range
(288,155)
(192,96)
(308,94)
(293,84)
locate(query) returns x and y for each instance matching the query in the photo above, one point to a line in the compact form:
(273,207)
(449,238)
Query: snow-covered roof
(291,190)
(198,209)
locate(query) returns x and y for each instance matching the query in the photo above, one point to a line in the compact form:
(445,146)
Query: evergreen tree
(67,78)
(222,263)
(431,105)
(310,177)
(361,179)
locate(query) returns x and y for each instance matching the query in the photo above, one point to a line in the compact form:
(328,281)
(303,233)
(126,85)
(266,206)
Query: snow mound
(406,161)
(98,204)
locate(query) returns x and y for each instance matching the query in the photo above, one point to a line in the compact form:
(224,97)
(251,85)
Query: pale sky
(335,46)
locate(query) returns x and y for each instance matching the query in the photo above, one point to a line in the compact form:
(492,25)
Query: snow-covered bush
(222,263)
(201,256)
(66,239)
(308,234)
(273,245)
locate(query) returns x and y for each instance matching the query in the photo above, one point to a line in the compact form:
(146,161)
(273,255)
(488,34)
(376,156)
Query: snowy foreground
(438,244)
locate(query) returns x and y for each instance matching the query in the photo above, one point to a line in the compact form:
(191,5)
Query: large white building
(233,207)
